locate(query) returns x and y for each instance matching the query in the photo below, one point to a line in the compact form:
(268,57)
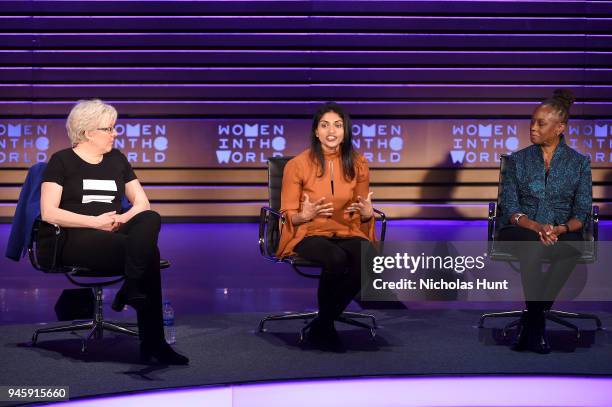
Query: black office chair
(497,251)
(44,255)
(269,235)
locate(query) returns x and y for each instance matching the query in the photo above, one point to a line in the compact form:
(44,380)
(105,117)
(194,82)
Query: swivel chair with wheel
(42,241)
(269,234)
(44,254)
(499,252)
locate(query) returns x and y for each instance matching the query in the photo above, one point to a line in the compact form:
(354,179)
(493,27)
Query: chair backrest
(45,247)
(503,165)
(26,211)
(276,167)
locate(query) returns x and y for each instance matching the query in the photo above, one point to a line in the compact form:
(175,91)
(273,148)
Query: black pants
(340,279)
(541,288)
(131,250)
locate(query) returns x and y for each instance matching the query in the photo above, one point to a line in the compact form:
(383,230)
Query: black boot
(539,341)
(524,332)
(131,294)
(324,336)
(119,301)
(161,351)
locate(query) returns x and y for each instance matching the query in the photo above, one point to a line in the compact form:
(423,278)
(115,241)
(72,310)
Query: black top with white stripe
(90,189)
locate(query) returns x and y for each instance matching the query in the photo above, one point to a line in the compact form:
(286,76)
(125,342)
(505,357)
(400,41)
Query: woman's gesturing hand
(310,210)
(363,206)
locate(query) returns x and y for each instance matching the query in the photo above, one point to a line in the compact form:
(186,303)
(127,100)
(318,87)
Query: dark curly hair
(561,101)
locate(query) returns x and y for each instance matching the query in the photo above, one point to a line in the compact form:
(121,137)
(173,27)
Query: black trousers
(340,279)
(133,251)
(541,288)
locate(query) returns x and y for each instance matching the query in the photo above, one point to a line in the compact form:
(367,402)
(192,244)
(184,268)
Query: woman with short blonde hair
(84,115)
(82,191)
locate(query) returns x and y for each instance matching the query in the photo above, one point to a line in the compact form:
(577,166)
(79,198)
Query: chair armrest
(590,229)
(491,221)
(595,220)
(50,234)
(383,220)
(267,214)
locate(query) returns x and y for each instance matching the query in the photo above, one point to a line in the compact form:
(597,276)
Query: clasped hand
(549,234)
(108,221)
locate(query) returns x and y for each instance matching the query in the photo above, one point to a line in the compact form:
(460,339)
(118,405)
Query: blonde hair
(87,115)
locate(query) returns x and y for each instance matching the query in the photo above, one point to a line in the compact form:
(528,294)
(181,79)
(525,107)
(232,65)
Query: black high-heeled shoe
(162,352)
(325,337)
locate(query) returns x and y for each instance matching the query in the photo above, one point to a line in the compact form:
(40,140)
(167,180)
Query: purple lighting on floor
(378,392)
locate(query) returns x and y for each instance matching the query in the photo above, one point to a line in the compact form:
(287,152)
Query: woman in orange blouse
(327,206)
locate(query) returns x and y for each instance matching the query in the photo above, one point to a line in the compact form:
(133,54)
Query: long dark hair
(347,151)
(561,101)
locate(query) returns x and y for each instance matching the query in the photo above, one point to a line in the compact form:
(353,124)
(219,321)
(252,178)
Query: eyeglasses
(108,130)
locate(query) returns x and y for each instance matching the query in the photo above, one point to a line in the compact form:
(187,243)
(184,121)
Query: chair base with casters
(97,325)
(269,234)
(76,275)
(589,255)
(269,216)
(556,316)
(347,317)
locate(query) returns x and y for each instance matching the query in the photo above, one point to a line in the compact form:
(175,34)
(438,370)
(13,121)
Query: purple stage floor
(216,268)
(220,288)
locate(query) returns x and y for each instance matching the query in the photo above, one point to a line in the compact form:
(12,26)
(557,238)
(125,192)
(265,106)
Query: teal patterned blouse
(565,193)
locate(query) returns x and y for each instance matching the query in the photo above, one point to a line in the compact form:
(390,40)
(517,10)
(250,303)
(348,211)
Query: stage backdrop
(207,90)
(231,143)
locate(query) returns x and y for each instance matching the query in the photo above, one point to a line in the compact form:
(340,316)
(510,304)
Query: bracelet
(517,217)
(567,229)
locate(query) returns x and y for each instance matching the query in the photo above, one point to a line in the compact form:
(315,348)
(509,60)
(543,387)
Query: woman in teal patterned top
(546,197)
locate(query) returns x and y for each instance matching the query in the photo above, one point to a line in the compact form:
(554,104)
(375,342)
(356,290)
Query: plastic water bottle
(169,328)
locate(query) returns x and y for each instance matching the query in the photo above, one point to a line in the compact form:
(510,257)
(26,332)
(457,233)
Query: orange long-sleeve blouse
(300,177)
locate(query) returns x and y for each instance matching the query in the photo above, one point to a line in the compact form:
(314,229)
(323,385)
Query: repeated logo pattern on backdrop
(143,143)
(23,143)
(483,142)
(242,143)
(594,139)
(381,142)
(248,143)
